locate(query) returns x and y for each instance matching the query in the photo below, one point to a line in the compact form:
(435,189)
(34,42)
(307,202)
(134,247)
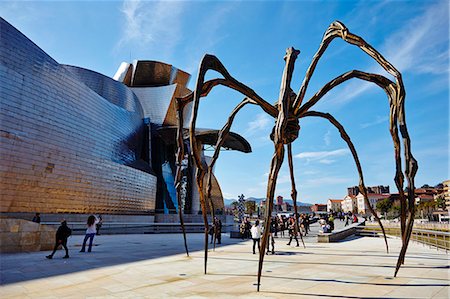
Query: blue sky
(250,38)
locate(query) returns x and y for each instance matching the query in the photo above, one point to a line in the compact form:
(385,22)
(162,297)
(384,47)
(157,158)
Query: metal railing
(433,238)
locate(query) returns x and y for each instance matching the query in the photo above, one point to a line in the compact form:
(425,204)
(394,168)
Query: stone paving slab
(154,266)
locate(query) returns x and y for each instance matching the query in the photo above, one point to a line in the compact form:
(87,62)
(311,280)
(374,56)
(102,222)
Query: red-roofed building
(373,199)
(424,198)
(350,204)
(334,205)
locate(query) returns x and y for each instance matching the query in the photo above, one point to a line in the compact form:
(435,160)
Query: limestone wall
(17,235)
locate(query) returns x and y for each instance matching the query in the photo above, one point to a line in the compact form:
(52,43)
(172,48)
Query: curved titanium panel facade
(108,88)
(63,147)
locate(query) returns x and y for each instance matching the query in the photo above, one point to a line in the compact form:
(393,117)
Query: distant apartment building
(318,208)
(373,199)
(428,190)
(353,190)
(349,204)
(447,194)
(334,205)
(374,189)
(378,189)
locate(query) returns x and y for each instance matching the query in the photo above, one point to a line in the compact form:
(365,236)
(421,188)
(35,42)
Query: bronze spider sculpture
(287,113)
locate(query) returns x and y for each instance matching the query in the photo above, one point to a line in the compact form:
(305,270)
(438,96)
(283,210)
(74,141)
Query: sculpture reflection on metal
(287,112)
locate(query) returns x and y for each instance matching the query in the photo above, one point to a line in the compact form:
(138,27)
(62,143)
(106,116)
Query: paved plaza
(155,266)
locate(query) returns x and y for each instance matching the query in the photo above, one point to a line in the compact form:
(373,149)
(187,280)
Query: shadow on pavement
(109,250)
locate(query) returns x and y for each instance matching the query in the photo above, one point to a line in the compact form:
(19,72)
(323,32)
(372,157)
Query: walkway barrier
(340,234)
(432,238)
(79,228)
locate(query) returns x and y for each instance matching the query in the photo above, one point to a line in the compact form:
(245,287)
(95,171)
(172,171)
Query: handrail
(432,238)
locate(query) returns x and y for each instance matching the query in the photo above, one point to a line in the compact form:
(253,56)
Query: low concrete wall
(339,234)
(17,235)
(128,224)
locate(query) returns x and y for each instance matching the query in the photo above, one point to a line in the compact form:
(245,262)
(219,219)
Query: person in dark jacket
(62,234)
(217,230)
(37,218)
(272,230)
(293,230)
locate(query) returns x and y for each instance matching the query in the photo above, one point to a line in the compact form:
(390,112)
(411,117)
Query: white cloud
(153,26)
(321,155)
(327,161)
(377,121)
(327,138)
(421,46)
(261,122)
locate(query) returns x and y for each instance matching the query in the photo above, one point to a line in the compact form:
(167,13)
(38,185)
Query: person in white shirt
(90,232)
(256,235)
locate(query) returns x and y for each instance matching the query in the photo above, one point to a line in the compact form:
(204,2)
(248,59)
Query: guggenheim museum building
(76,142)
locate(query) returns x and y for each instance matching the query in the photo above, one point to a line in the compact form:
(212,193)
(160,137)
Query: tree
(250,207)
(440,201)
(384,205)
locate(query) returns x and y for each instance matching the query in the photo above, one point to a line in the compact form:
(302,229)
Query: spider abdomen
(290,133)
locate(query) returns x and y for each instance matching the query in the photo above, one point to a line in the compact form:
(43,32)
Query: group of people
(277,225)
(326,222)
(93,224)
(349,217)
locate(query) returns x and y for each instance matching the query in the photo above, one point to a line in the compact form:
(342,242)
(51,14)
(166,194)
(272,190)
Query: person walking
(218,229)
(248,226)
(256,235)
(306,221)
(62,234)
(346,218)
(276,225)
(292,231)
(272,230)
(282,226)
(90,232)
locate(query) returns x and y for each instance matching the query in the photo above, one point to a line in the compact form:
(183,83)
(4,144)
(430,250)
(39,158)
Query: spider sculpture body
(287,112)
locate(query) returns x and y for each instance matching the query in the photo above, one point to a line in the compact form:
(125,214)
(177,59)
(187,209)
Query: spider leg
(178,175)
(223,133)
(278,140)
(277,161)
(200,175)
(210,62)
(396,95)
(294,190)
(211,208)
(362,187)
(181,103)
(338,29)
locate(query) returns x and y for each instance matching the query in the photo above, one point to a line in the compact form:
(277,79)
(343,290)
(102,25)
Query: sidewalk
(154,266)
